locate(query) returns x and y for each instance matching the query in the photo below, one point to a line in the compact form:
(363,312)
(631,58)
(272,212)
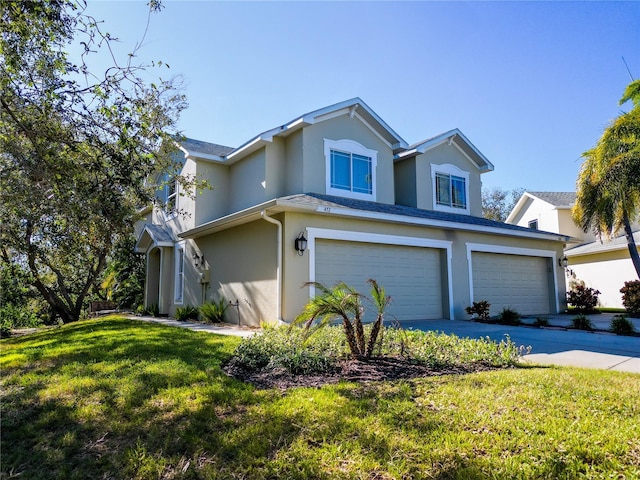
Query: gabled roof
(452,137)
(354,107)
(332,205)
(153,235)
(197,148)
(557,200)
(618,243)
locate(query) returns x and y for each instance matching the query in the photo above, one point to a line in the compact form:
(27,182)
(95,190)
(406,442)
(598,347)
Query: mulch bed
(355,370)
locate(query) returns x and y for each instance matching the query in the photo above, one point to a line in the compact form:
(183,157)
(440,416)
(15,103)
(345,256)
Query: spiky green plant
(214,311)
(380,302)
(340,302)
(343,302)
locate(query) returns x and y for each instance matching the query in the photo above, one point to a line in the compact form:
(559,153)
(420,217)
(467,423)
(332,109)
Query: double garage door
(412,276)
(512,281)
(415,277)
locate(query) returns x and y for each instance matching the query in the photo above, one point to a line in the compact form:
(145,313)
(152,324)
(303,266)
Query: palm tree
(344,303)
(380,301)
(608,185)
(340,302)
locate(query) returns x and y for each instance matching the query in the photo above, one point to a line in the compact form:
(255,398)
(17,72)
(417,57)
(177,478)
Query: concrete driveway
(551,346)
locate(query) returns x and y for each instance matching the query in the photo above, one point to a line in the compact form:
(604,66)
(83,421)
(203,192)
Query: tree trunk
(631,243)
(373,337)
(351,337)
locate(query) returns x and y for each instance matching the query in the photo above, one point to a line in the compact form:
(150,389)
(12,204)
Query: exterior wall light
(196,259)
(563,262)
(300,244)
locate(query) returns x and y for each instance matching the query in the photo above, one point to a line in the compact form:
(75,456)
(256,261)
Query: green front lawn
(114,398)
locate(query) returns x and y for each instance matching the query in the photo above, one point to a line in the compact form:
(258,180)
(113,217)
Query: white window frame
(533,224)
(350,147)
(172,196)
(179,272)
(450,170)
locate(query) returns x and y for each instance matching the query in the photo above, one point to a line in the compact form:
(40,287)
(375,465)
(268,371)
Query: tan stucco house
(369,206)
(602,264)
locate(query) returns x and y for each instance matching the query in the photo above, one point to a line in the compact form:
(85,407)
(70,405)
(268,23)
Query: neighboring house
(604,265)
(368,205)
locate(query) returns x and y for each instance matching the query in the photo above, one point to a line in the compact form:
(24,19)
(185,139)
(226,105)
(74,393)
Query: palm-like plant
(380,301)
(340,302)
(608,186)
(343,302)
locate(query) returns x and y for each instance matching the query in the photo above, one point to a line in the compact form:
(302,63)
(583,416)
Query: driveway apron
(550,346)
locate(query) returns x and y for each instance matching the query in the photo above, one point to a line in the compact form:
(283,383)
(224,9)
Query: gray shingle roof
(363,205)
(193,145)
(557,199)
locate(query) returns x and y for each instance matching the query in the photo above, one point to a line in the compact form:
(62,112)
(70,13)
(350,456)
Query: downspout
(267,218)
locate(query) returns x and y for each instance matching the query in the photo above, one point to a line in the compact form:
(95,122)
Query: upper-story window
(450,188)
(533,224)
(351,169)
(171,203)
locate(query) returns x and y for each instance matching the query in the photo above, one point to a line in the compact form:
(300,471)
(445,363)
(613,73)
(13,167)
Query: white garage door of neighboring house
(410,275)
(516,281)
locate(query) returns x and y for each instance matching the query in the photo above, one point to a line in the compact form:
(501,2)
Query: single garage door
(516,281)
(412,276)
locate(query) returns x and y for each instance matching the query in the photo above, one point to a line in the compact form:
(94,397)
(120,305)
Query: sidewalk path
(219,328)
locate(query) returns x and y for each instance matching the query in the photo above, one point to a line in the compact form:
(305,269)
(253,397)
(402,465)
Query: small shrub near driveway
(631,297)
(581,322)
(621,325)
(541,322)
(509,316)
(479,310)
(584,299)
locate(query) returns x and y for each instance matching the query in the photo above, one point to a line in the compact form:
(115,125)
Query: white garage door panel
(410,275)
(514,281)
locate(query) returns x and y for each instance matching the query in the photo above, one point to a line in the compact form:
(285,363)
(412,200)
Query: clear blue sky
(531,84)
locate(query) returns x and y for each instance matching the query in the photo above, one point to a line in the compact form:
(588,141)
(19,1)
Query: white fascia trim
(516,209)
(204,156)
(527,252)
(261,139)
(425,222)
(314,233)
(604,249)
(376,133)
(490,166)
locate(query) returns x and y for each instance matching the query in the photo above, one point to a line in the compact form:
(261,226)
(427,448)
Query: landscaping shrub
(541,322)
(509,316)
(479,310)
(295,351)
(19,316)
(631,297)
(5,328)
(214,311)
(153,310)
(291,349)
(621,325)
(581,322)
(583,298)
(187,312)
